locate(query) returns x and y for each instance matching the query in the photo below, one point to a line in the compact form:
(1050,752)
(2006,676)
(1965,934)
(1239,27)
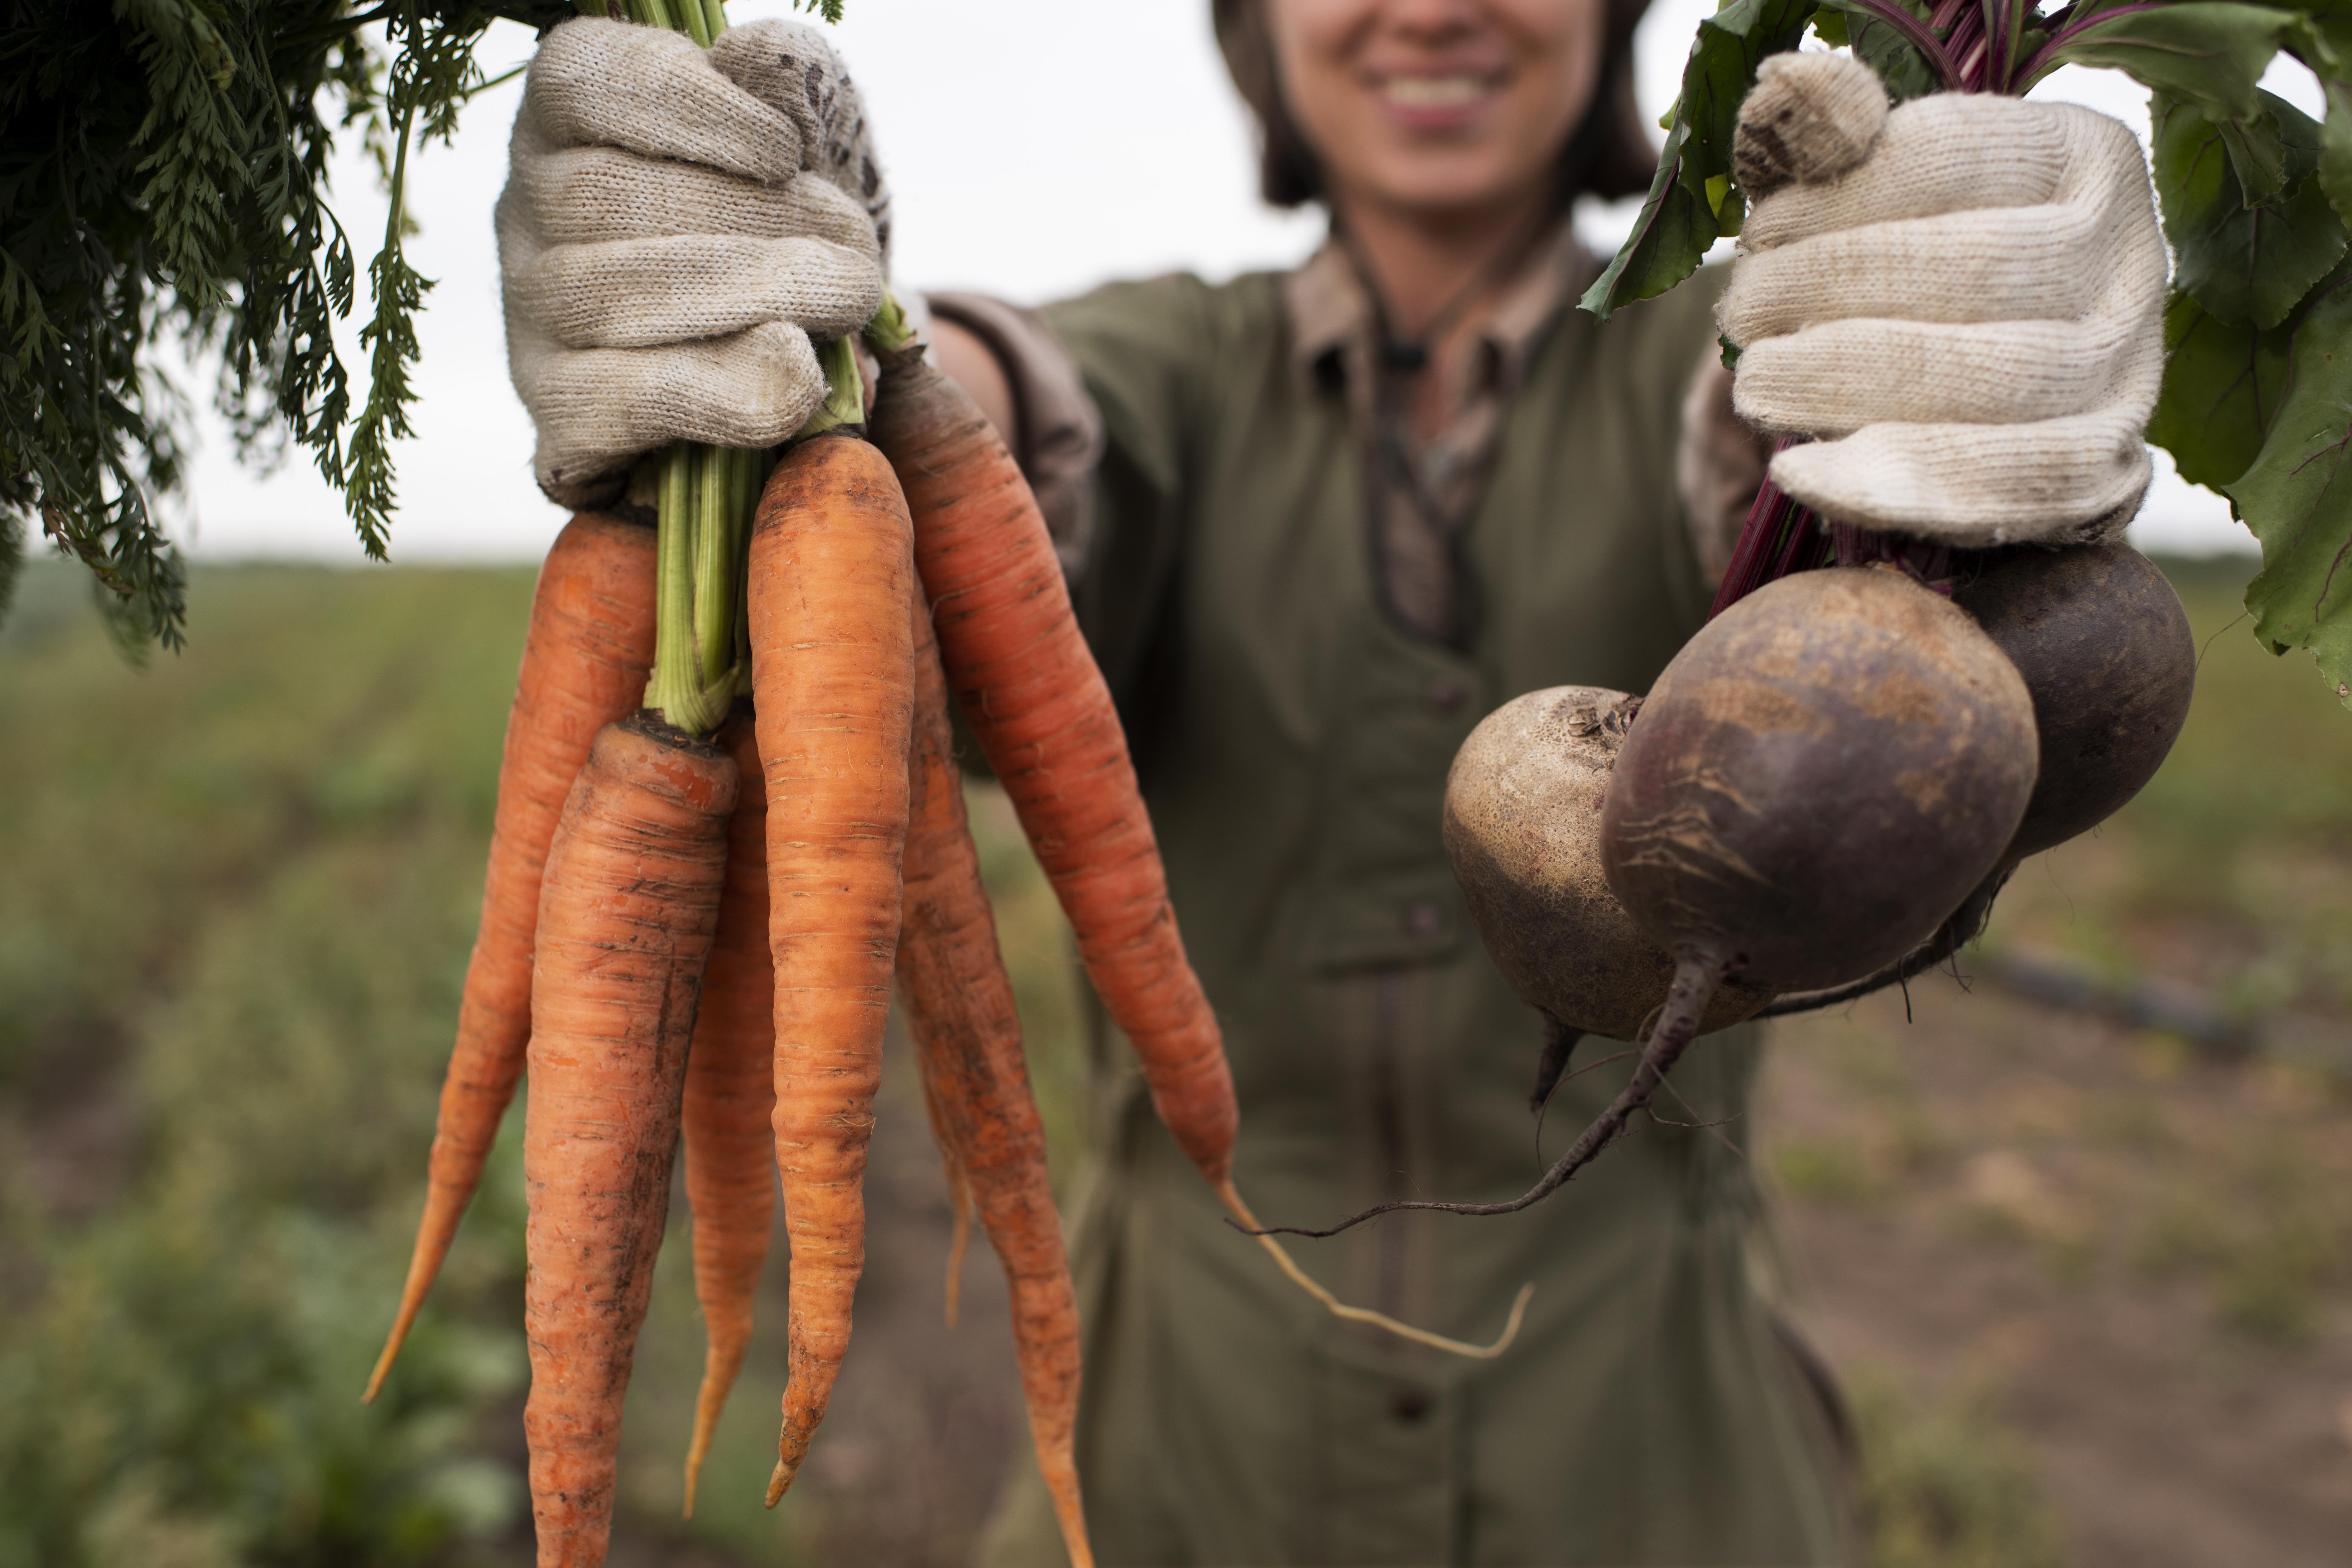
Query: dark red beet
(2103,646)
(2106,651)
(1818,779)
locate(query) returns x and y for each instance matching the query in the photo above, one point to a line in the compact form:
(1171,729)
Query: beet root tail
(1698,975)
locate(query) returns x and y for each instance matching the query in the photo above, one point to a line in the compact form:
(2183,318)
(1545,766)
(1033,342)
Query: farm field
(2089,1282)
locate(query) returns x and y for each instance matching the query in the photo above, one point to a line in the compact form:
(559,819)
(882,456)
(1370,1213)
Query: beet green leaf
(2208,52)
(2247,261)
(2297,496)
(1881,45)
(1691,201)
(2224,384)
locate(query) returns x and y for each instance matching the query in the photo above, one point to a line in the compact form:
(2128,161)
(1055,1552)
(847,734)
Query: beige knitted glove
(1963,299)
(675,225)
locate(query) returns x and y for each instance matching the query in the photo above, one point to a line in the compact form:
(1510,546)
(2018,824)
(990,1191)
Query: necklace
(1410,356)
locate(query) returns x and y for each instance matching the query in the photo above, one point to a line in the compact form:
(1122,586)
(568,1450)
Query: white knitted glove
(675,225)
(1963,297)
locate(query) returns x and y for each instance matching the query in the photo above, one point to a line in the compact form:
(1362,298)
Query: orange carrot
(731,1094)
(584,663)
(959,1010)
(828,585)
(627,915)
(1037,703)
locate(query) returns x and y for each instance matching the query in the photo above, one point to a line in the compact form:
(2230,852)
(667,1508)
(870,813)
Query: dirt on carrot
(830,577)
(584,664)
(627,918)
(731,1097)
(967,1034)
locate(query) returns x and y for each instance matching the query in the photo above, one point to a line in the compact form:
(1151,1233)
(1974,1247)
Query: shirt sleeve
(1058,434)
(1719,465)
(1108,392)
(1148,355)
(1703,462)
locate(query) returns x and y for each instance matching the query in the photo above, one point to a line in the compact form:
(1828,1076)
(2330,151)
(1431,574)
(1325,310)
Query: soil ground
(2090,1287)
(2127,1257)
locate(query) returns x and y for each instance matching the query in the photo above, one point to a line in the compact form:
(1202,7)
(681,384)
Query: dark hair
(1610,154)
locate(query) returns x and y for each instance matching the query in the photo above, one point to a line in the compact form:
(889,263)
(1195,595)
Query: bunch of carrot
(695,906)
(669,952)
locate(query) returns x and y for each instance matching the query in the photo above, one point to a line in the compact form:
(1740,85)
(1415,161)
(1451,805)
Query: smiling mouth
(1455,91)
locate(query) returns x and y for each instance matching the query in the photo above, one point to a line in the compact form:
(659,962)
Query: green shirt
(1293,738)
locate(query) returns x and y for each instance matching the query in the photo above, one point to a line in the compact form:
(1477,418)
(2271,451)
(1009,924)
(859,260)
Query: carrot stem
(845,401)
(707,495)
(699,662)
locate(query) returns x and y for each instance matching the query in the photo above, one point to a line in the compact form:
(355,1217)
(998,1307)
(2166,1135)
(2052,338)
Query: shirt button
(1447,694)
(1424,918)
(1409,1405)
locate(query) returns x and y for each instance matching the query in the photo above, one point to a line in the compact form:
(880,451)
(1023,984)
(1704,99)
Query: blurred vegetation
(2232,870)
(1944,1485)
(239,904)
(241,887)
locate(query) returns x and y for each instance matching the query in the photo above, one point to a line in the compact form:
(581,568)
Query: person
(1317,523)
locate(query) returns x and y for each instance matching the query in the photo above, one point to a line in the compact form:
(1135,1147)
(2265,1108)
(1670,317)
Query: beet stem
(1697,975)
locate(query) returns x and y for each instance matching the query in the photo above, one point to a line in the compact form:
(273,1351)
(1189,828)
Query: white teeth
(1433,92)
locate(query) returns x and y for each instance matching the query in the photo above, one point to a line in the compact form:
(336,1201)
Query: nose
(1430,21)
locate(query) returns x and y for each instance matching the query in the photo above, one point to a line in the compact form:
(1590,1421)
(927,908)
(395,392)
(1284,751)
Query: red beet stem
(1779,537)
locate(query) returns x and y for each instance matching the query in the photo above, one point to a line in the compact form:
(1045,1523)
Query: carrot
(731,1094)
(627,915)
(959,1010)
(828,585)
(1038,704)
(1037,701)
(584,663)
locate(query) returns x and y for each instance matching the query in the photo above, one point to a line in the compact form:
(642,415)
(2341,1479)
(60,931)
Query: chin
(1449,188)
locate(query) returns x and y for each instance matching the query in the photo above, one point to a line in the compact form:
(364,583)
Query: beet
(1522,825)
(1818,779)
(2106,651)
(1822,776)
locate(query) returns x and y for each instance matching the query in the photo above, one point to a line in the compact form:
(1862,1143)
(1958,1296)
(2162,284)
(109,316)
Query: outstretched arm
(970,364)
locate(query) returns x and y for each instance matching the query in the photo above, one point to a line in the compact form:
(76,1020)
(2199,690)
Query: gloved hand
(1963,299)
(675,225)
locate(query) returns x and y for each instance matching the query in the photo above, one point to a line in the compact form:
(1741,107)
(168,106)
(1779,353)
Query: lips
(1446,103)
(1455,91)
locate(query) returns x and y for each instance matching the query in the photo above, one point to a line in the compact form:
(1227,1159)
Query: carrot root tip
(390,1353)
(1231,1198)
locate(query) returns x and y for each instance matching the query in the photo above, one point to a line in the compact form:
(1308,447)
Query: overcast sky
(1035,151)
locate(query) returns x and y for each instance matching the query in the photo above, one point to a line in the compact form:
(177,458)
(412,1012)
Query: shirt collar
(1329,308)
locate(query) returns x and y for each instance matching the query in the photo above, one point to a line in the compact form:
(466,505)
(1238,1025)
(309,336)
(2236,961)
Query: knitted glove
(676,222)
(1963,299)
